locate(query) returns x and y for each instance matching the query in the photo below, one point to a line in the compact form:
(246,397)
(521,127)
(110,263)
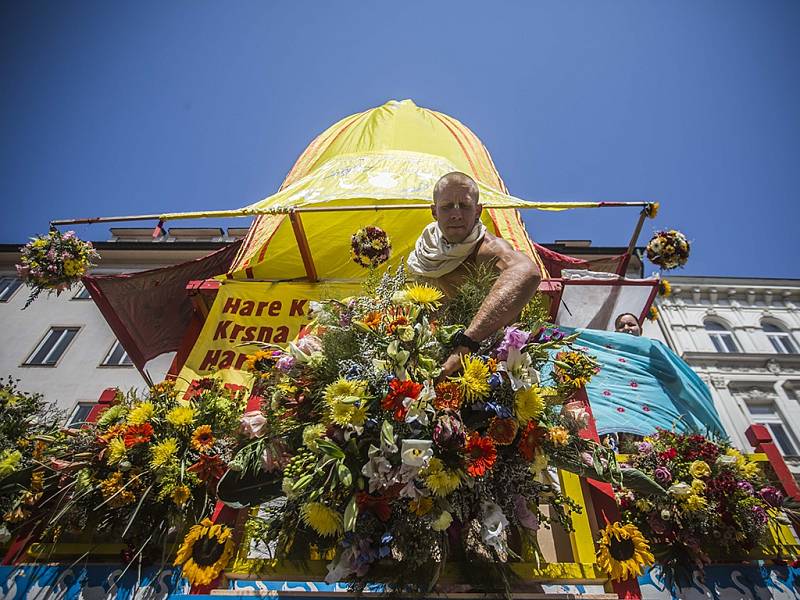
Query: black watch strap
(462,339)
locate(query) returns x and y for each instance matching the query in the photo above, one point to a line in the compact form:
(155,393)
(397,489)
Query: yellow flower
(424,296)
(695,502)
(180,416)
(252,359)
(164,388)
(623,552)
(342,414)
(440,481)
(180,495)
(112,489)
(652,314)
(140,413)
(163,452)
(116,451)
(558,435)
(10,462)
(550,395)
(311,434)
(651,210)
(421,506)
(205,551)
(474,381)
(344,390)
(751,470)
(664,288)
(73,267)
(644,505)
(528,404)
(699,469)
(202,438)
(321,518)
(698,486)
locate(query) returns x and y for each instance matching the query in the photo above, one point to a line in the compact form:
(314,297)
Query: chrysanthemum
(344,389)
(180,417)
(205,551)
(202,438)
(528,404)
(321,518)
(140,413)
(474,381)
(424,295)
(116,451)
(440,480)
(311,434)
(502,431)
(481,455)
(341,413)
(180,495)
(163,452)
(623,551)
(695,502)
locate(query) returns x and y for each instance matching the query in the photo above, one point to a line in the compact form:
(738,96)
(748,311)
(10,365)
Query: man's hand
(453,362)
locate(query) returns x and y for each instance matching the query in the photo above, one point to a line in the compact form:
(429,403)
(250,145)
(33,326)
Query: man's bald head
(456,184)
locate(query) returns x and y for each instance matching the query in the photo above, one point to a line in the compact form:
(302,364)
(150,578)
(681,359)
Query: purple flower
(760,515)
(662,475)
(285,363)
(771,495)
(645,447)
(746,487)
(513,338)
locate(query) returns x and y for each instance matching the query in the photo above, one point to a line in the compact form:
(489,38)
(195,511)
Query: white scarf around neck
(434,256)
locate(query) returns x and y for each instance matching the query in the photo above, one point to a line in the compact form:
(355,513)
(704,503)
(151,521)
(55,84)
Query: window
(117,357)
(83,294)
(8,285)
(79,414)
(722,339)
(52,346)
(765,414)
(781,340)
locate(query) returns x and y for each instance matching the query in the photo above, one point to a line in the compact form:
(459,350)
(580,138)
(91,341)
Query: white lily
(416,453)
(519,368)
(493,525)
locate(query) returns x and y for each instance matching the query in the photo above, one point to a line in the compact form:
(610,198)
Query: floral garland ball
(55,262)
(370,247)
(668,249)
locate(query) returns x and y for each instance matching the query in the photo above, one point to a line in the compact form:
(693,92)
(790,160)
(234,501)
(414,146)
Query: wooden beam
(302,245)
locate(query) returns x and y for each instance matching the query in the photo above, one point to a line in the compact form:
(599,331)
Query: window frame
(3,290)
(723,339)
(78,296)
(780,339)
(773,418)
(43,340)
(70,422)
(105,364)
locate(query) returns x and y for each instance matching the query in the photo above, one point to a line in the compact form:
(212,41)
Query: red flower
(209,468)
(398,391)
(530,439)
(668,454)
(378,505)
(138,434)
(481,455)
(502,431)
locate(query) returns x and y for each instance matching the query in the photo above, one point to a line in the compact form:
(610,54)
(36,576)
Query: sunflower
(574,369)
(622,551)
(528,404)
(664,288)
(205,551)
(180,417)
(440,481)
(652,314)
(651,210)
(163,452)
(202,438)
(180,495)
(448,396)
(474,381)
(424,296)
(321,518)
(253,360)
(140,413)
(481,455)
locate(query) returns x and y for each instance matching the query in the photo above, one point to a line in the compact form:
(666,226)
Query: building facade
(742,336)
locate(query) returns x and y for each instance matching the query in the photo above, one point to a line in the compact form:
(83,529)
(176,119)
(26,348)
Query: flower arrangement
(717,504)
(153,462)
(668,249)
(369,456)
(370,247)
(54,262)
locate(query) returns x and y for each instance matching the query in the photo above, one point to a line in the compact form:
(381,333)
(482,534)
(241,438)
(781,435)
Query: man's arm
(513,289)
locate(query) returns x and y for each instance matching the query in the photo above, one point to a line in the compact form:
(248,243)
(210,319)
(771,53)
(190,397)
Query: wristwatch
(462,339)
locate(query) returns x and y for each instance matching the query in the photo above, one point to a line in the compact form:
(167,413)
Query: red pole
(761,439)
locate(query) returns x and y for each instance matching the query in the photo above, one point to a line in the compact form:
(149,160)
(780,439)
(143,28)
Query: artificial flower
(699,469)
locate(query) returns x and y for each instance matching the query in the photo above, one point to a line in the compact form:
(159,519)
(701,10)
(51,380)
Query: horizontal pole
(314,209)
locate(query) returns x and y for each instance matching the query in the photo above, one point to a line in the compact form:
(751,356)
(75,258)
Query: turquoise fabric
(642,384)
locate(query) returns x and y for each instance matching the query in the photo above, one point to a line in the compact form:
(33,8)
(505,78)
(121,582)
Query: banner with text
(247,312)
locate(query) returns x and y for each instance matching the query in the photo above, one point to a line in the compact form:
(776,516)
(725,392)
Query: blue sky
(113,108)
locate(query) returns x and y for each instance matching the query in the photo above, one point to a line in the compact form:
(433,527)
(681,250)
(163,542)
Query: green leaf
(344,475)
(330,449)
(351,514)
(302,482)
(387,434)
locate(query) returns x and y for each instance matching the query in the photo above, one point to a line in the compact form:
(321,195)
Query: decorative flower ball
(370,247)
(668,249)
(55,262)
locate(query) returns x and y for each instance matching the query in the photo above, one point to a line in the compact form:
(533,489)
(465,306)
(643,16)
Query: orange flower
(138,434)
(503,431)
(530,439)
(202,439)
(401,320)
(481,455)
(492,364)
(448,396)
(373,320)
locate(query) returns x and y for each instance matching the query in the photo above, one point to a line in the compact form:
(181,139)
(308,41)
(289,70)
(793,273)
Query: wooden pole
(302,245)
(626,258)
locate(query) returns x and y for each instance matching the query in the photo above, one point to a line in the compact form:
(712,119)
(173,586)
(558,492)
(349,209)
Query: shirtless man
(458,239)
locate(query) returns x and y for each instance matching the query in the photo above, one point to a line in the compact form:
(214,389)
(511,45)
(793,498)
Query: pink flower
(252,424)
(513,338)
(23,271)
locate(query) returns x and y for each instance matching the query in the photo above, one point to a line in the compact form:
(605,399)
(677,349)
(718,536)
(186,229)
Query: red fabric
(149,311)
(555,262)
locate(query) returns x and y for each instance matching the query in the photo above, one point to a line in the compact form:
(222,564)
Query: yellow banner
(245,313)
